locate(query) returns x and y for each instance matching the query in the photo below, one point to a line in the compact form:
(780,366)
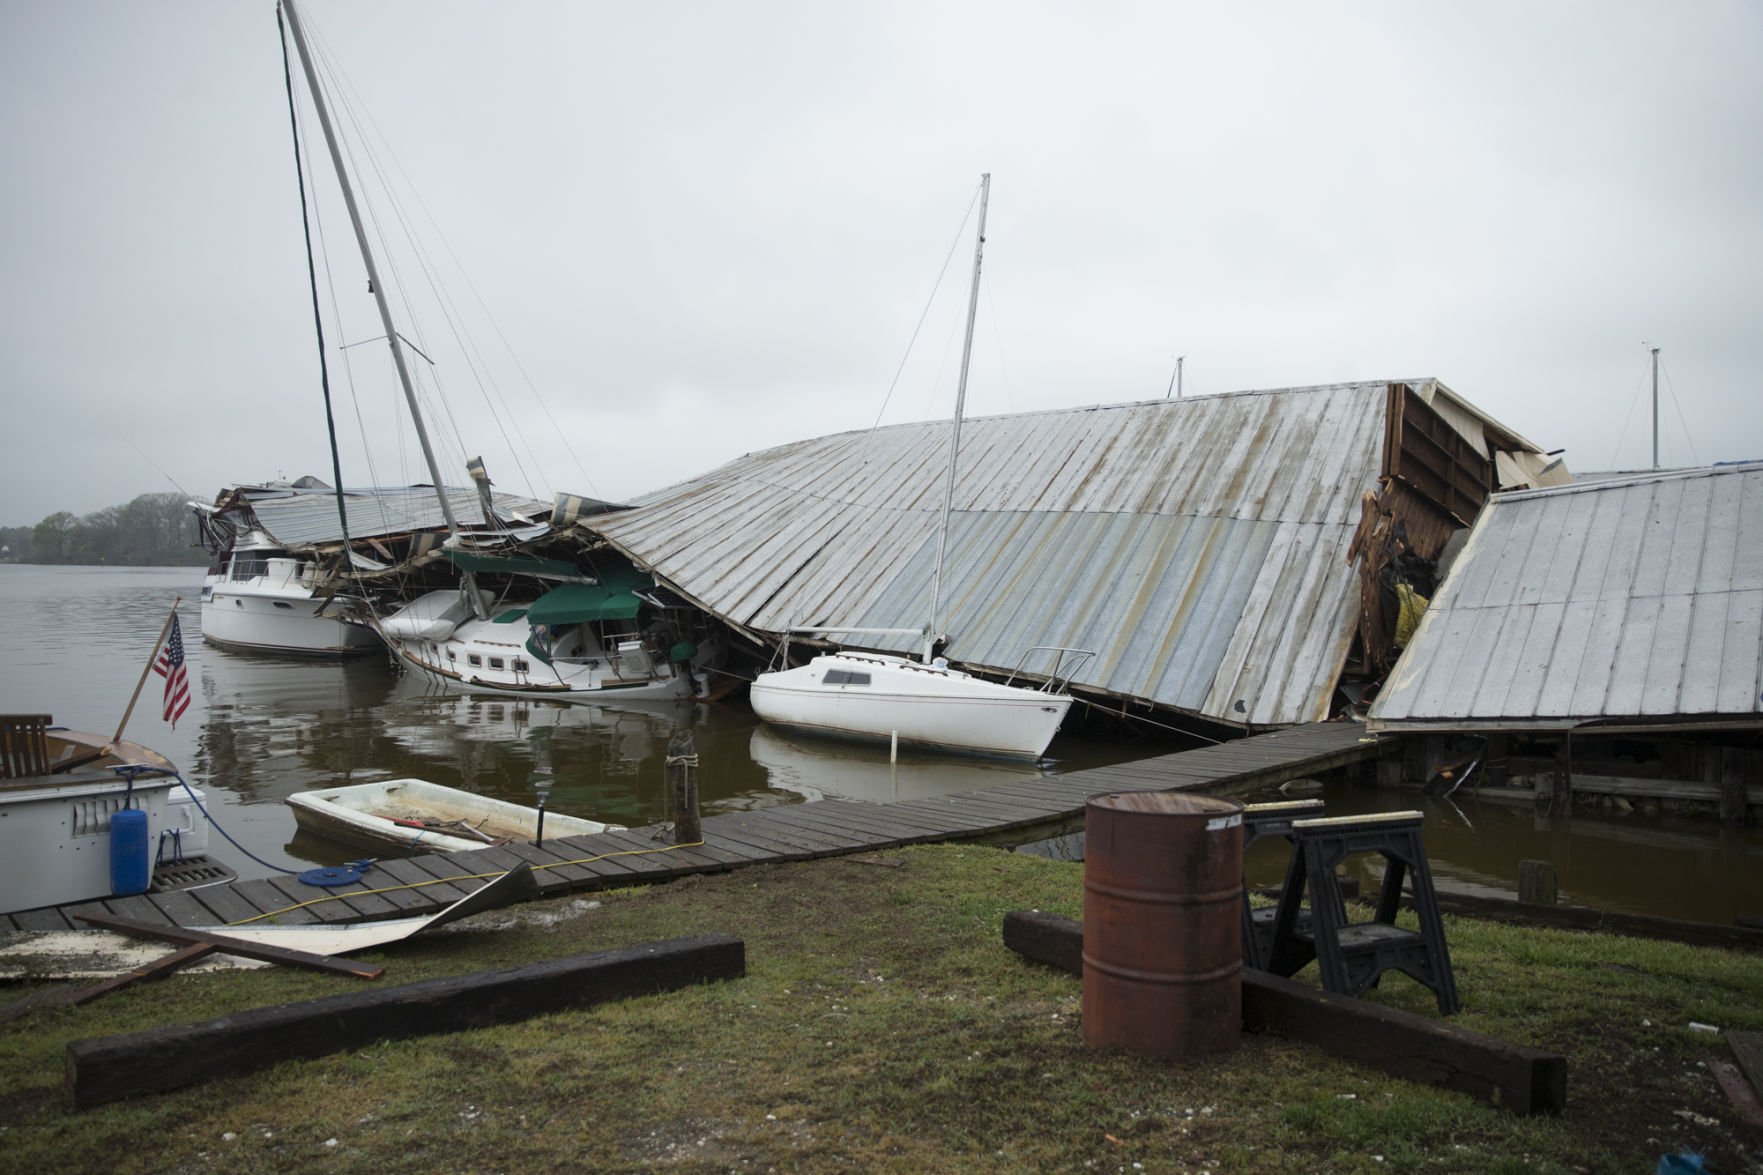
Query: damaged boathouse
(1228,558)
(1599,640)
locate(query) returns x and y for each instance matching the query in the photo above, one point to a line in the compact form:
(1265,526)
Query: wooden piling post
(1732,787)
(682,788)
(1536,883)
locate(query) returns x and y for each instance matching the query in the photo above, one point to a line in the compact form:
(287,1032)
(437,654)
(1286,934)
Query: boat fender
(130,869)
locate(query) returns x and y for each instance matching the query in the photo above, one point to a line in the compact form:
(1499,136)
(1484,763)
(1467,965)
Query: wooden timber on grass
(1699,934)
(1416,1048)
(1032,807)
(105,1069)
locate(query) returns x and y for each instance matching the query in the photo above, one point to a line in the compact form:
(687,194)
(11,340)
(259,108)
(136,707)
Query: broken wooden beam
(67,997)
(1431,1052)
(105,1069)
(234,946)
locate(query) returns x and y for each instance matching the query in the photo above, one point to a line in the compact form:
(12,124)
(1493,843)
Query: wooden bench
(24,745)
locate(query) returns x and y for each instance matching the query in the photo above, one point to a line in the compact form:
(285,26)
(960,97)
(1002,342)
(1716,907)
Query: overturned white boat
(414,814)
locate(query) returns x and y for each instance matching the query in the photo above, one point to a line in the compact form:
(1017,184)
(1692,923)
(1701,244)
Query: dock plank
(854,839)
(867,828)
(737,838)
(774,840)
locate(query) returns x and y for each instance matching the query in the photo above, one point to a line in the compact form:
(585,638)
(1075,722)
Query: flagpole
(148,668)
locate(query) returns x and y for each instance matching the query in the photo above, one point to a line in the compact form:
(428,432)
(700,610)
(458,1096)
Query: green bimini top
(572,603)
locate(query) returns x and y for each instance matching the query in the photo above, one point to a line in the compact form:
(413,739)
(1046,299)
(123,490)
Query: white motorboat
(416,815)
(924,703)
(260,597)
(61,790)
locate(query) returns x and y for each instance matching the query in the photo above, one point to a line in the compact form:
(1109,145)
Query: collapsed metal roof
(1198,546)
(303,514)
(1623,601)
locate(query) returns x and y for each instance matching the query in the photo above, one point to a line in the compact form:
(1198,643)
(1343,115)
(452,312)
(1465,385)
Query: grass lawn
(883,1026)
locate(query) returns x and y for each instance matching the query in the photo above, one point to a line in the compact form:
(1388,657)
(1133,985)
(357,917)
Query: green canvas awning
(572,603)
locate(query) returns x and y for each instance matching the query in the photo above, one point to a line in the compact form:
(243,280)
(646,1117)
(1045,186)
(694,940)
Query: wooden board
(1432,1052)
(108,1068)
(1747,1050)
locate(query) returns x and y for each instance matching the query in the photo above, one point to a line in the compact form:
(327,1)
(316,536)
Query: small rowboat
(414,814)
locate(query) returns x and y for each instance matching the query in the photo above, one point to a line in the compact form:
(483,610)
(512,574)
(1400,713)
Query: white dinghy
(414,814)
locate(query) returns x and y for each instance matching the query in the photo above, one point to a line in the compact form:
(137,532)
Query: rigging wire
(500,411)
(998,344)
(936,288)
(1678,405)
(1616,453)
(324,371)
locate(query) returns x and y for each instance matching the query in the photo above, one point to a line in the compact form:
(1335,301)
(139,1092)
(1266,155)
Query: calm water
(74,641)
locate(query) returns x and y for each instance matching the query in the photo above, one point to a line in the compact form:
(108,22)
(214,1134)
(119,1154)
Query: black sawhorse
(1352,955)
(1260,820)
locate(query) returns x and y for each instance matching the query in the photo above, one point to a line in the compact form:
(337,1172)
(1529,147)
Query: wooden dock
(413,886)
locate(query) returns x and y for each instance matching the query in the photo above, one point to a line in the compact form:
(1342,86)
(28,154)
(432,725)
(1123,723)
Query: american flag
(171,667)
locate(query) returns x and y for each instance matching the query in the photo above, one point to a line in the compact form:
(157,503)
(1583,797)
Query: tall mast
(936,578)
(1655,407)
(373,283)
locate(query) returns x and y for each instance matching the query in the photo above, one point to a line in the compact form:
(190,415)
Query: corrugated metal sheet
(301,518)
(1198,545)
(1639,599)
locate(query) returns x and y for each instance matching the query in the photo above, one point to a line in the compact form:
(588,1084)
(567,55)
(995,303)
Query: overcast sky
(704,229)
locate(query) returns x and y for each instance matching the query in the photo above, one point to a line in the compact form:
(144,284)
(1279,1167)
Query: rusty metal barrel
(1163,948)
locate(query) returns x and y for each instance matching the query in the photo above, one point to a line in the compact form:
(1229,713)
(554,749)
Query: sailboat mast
(373,278)
(1655,407)
(936,578)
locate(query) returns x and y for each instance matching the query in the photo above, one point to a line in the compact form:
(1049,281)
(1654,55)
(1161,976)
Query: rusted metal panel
(1638,599)
(1198,545)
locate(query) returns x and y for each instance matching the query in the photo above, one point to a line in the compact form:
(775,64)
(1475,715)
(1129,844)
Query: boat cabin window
(452,656)
(520,665)
(845,677)
(249,566)
(473,659)
(496,663)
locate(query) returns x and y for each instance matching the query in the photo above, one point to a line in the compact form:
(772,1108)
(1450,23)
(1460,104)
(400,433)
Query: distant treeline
(154,530)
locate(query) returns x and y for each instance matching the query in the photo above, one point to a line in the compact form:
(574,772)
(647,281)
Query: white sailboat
(559,632)
(925,703)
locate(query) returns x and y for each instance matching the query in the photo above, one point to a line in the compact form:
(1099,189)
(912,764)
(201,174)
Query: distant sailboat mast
(1655,407)
(936,579)
(374,284)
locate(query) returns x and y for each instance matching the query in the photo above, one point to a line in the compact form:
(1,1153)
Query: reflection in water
(819,769)
(260,728)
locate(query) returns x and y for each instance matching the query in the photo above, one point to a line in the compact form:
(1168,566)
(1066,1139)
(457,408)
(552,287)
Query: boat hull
(889,699)
(437,637)
(410,814)
(244,621)
(55,829)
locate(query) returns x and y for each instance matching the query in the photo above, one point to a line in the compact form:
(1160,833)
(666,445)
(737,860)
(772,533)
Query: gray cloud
(705,229)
